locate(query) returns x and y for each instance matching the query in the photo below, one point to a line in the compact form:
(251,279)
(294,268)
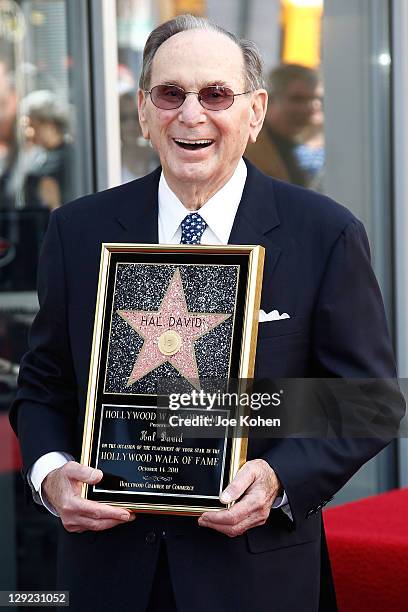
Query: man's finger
(235,530)
(94,510)
(82,473)
(244,478)
(92,525)
(247,506)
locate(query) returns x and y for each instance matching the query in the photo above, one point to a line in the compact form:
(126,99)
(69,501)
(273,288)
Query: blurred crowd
(35,146)
(37,149)
(36,137)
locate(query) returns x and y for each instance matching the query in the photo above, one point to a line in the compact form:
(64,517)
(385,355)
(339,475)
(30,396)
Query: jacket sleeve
(44,412)
(350,340)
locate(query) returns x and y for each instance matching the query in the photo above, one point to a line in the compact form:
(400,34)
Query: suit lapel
(138,210)
(256,218)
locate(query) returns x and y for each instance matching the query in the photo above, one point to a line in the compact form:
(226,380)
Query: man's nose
(315,103)
(191,111)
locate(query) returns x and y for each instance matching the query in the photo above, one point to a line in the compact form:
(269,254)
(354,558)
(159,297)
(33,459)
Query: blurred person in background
(46,119)
(21,232)
(34,176)
(137,156)
(310,152)
(8,147)
(294,111)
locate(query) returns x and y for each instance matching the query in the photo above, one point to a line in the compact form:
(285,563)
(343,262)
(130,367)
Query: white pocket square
(272,316)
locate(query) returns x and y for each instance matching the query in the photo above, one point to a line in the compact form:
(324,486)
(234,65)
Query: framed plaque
(172,323)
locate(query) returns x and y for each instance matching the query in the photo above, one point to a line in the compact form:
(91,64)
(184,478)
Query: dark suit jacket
(317,269)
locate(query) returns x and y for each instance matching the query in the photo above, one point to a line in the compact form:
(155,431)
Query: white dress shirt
(171,214)
(219,226)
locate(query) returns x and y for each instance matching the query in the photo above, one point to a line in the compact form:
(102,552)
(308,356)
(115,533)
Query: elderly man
(201,100)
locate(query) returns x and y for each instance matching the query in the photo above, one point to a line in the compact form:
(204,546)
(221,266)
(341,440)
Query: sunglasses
(214,97)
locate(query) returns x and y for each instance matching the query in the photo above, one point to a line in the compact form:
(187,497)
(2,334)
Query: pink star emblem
(169,333)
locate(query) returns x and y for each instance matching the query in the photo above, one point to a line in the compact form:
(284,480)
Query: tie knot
(192,229)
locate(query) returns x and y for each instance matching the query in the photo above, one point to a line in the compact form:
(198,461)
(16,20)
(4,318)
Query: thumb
(94,476)
(230,494)
(83,473)
(244,478)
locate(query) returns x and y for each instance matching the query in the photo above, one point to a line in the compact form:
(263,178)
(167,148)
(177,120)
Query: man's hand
(62,488)
(258,485)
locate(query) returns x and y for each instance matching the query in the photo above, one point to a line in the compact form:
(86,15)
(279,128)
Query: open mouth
(193,145)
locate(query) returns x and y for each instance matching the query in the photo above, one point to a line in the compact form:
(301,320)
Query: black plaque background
(201,258)
(170,473)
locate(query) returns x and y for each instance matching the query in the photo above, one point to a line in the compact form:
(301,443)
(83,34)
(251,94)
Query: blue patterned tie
(192,229)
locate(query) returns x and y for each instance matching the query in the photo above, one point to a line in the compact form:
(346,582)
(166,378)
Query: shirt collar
(227,199)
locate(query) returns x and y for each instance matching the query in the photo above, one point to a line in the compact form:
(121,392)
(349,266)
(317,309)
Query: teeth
(193,141)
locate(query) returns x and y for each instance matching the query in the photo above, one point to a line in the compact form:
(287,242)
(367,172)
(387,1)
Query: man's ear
(141,108)
(259,104)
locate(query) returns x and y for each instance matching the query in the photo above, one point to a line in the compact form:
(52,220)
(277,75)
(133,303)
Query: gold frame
(246,364)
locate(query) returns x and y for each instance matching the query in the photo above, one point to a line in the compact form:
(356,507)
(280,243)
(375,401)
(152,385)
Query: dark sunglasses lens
(216,98)
(167,97)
